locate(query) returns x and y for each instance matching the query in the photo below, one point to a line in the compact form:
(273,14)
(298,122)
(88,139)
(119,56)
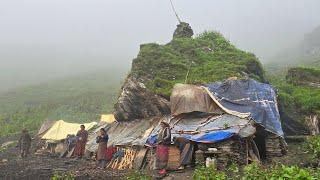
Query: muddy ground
(44,166)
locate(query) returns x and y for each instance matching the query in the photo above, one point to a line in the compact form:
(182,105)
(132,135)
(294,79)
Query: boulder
(137,102)
(183,30)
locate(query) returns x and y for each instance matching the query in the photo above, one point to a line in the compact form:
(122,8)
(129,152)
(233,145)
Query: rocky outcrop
(137,102)
(205,58)
(183,30)
(304,76)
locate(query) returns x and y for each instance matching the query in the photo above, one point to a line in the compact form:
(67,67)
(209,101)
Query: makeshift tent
(187,98)
(249,96)
(45,127)
(61,129)
(125,133)
(107,118)
(190,98)
(139,131)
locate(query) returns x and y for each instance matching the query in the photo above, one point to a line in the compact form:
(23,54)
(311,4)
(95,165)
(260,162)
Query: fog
(47,39)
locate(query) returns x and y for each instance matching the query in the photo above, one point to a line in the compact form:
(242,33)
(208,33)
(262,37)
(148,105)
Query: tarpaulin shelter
(249,96)
(61,129)
(207,128)
(138,132)
(187,98)
(202,115)
(107,118)
(45,127)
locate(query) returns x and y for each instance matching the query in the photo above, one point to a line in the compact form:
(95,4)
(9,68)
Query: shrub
(137,175)
(313,144)
(289,172)
(62,176)
(210,173)
(254,171)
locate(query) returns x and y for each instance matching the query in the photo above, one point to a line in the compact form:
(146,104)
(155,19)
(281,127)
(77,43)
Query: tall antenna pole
(175,12)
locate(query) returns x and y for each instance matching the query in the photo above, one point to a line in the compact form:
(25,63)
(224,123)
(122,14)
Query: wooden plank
(70,153)
(174,158)
(140,159)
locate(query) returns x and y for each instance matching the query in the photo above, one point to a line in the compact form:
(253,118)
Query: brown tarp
(187,98)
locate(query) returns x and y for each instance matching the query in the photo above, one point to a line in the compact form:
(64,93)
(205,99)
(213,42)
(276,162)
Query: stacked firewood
(125,162)
(274,146)
(231,151)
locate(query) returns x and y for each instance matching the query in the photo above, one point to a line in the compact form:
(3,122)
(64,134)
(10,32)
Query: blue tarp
(250,96)
(210,137)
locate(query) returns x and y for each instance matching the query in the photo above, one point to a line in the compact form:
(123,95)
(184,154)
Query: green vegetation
(303,75)
(137,175)
(77,99)
(210,173)
(313,145)
(306,99)
(63,176)
(296,97)
(254,171)
(206,58)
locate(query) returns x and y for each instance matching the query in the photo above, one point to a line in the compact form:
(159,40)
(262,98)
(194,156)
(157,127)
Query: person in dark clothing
(102,140)
(164,140)
(82,137)
(187,150)
(24,143)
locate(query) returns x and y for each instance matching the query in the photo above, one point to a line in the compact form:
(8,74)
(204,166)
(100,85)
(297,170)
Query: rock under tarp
(137,102)
(250,96)
(187,98)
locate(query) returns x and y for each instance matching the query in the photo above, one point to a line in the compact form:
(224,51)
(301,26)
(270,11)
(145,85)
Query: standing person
(24,143)
(102,140)
(82,137)
(164,140)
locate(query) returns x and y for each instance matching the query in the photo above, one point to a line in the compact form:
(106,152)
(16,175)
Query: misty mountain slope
(306,54)
(205,58)
(76,99)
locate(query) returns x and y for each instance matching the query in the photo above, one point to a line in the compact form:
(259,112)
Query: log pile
(231,151)
(274,146)
(125,162)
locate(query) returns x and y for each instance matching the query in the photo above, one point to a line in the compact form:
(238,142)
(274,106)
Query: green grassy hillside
(76,99)
(298,96)
(206,58)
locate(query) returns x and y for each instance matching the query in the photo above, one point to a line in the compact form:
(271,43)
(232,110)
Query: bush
(254,171)
(313,144)
(62,176)
(289,172)
(210,173)
(137,175)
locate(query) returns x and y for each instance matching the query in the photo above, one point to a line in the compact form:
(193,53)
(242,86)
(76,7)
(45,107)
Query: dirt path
(45,166)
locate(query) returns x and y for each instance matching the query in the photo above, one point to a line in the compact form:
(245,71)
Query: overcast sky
(43,39)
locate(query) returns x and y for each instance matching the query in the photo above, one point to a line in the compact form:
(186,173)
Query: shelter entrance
(260,140)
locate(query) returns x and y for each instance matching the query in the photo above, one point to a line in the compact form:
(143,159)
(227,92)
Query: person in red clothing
(82,137)
(102,140)
(162,151)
